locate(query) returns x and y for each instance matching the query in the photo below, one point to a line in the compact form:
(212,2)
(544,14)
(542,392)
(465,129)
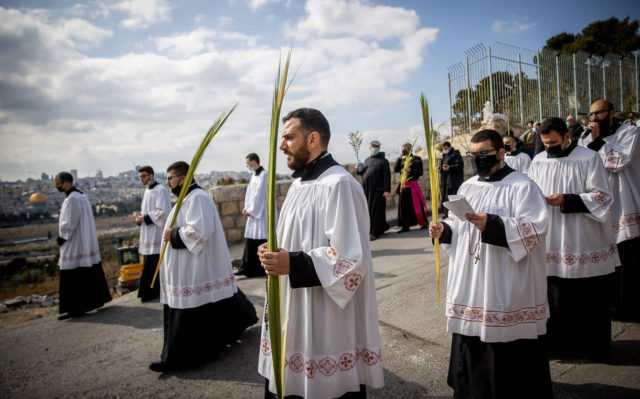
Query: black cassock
(145,292)
(376,180)
(407,216)
(451,180)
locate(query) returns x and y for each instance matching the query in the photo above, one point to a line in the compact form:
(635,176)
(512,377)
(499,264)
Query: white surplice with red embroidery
(621,157)
(76,225)
(201,273)
(332,343)
(519,162)
(157,205)
(578,245)
(502,297)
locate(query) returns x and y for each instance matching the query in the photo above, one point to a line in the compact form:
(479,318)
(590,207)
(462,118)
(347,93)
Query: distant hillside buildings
(24,202)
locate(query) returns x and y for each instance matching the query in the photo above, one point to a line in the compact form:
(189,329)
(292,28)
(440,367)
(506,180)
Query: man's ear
(313,140)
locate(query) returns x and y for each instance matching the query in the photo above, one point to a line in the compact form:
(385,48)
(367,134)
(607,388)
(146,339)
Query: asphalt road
(105,354)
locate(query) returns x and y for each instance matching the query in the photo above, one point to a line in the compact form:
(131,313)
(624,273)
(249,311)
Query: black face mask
(482,165)
(176,190)
(405,152)
(554,151)
(507,147)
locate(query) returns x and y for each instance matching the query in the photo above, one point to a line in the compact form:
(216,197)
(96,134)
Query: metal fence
(531,85)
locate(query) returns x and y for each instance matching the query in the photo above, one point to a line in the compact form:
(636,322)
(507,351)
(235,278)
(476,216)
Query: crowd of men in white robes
(528,271)
(546,258)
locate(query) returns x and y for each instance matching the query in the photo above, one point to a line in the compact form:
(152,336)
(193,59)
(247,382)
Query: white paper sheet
(459,206)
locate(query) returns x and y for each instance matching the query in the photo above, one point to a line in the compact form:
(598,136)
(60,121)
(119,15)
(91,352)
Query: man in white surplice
(83,286)
(496,289)
(255,209)
(204,310)
(153,215)
(332,341)
(517,159)
(619,148)
(581,251)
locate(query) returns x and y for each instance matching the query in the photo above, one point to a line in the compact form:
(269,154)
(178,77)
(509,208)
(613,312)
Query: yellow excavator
(130,265)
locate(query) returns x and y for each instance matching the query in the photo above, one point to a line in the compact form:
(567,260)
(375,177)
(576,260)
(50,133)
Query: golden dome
(37,198)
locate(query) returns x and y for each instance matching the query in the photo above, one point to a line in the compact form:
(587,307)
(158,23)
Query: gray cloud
(61,108)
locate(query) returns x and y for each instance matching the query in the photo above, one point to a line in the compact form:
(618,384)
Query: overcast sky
(108,84)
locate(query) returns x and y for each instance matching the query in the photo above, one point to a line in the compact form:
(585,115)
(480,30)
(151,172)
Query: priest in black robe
(411,207)
(451,172)
(376,182)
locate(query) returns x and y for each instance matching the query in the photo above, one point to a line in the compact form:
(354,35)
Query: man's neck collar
(514,152)
(193,186)
(152,185)
(315,168)
(498,174)
(72,189)
(259,170)
(613,128)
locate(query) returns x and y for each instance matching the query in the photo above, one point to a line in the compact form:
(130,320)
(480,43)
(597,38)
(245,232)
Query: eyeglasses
(480,154)
(169,178)
(598,113)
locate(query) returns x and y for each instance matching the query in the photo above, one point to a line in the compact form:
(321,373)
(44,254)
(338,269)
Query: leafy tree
(600,38)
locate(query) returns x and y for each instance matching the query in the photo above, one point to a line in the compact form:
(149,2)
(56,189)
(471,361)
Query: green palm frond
(189,178)
(434,178)
(276,335)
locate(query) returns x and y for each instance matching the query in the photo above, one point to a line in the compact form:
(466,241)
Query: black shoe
(64,316)
(160,367)
(373,237)
(239,273)
(424,227)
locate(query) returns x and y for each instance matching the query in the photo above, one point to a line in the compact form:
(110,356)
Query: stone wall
(230,203)
(230,199)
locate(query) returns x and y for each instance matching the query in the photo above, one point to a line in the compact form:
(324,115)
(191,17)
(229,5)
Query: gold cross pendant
(477,259)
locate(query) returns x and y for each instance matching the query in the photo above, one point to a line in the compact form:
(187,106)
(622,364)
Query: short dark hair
(529,122)
(490,135)
(311,120)
(446,144)
(146,169)
(553,123)
(180,167)
(65,176)
(253,157)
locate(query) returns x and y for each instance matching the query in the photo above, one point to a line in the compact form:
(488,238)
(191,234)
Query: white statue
(487,112)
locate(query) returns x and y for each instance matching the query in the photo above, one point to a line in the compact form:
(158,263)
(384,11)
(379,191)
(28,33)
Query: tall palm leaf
(189,178)
(277,333)
(434,178)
